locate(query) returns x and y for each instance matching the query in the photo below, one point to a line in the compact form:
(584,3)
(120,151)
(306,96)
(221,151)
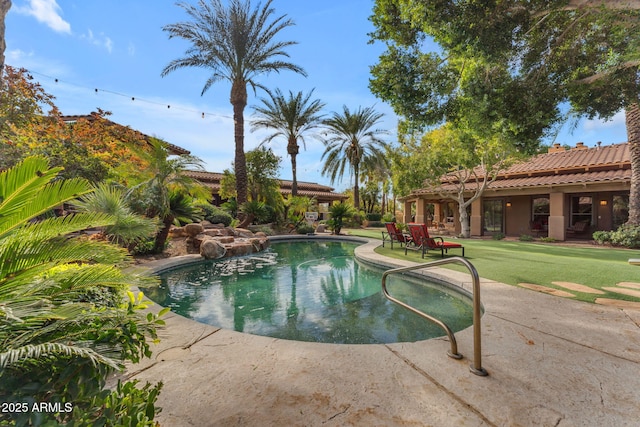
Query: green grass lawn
(514,262)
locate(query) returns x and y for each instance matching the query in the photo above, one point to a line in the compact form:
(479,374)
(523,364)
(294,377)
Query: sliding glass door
(493,216)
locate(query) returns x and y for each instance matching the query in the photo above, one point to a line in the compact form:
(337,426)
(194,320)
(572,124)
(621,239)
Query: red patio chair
(422,241)
(394,234)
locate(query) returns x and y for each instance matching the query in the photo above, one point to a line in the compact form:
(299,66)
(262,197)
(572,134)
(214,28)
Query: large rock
(243,232)
(211,249)
(192,230)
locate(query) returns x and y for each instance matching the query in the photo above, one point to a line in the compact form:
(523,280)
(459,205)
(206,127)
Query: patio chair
(394,234)
(580,227)
(422,241)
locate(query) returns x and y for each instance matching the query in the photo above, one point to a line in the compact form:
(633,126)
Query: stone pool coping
(551,361)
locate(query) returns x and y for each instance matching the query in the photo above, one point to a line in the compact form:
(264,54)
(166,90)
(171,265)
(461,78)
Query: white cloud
(46,12)
(595,125)
(101,40)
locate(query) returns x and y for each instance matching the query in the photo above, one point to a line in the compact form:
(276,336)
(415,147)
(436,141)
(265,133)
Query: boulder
(240,249)
(243,232)
(193,230)
(176,232)
(211,249)
(225,239)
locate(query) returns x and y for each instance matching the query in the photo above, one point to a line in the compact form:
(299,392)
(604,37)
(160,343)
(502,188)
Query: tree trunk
(5,5)
(293,149)
(632,119)
(163,234)
(356,189)
(239,102)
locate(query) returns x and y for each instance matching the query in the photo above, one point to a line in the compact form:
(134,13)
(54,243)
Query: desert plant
(526,238)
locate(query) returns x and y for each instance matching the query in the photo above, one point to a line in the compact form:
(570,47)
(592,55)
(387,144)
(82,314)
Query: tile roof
(308,189)
(580,165)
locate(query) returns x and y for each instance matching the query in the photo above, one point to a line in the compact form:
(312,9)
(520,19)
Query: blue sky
(119,48)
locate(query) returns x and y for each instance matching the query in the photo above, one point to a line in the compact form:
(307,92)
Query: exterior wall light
(603,203)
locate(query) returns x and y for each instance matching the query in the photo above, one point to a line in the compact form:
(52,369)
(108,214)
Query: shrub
(215,215)
(146,247)
(547,239)
(388,217)
(526,238)
(373,216)
(304,229)
(602,237)
(339,213)
(627,236)
(498,236)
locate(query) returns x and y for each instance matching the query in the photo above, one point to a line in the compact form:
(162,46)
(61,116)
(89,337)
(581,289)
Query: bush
(388,217)
(498,236)
(215,215)
(547,239)
(526,238)
(304,229)
(146,247)
(373,216)
(627,236)
(602,237)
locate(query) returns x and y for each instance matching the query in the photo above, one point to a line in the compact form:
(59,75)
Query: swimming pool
(309,291)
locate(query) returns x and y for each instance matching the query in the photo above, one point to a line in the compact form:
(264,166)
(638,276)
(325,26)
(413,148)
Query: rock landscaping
(214,241)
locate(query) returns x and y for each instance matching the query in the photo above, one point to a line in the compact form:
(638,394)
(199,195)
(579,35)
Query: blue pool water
(309,291)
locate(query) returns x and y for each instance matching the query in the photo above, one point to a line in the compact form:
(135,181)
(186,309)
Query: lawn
(514,262)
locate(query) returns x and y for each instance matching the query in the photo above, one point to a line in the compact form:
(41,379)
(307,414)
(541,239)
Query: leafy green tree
(290,118)
(237,44)
(263,185)
(351,140)
(64,325)
(467,163)
(584,53)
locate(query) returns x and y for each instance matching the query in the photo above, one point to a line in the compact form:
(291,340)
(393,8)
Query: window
(581,209)
(540,213)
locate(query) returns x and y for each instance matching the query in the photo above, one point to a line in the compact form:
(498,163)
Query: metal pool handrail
(476,366)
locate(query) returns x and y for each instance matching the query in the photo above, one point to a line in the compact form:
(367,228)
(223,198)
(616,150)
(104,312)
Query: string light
(133,98)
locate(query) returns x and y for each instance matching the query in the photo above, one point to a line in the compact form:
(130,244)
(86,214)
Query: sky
(73,47)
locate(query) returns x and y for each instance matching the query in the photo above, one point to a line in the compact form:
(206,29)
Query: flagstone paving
(547,290)
(578,288)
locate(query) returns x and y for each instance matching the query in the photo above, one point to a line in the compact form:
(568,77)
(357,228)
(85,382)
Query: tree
(584,52)
(237,44)
(263,185)
(455,164)
(64,325)
(290,118)
(352,140)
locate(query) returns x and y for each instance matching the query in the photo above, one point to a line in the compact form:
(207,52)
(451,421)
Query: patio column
(556,218)
(407,212)
(476,218)
(421,218)
(437,212)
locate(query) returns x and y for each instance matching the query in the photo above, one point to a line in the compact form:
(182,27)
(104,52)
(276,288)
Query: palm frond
(21,354)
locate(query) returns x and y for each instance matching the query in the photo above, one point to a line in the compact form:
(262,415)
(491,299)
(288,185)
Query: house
(564,193)
(323,194)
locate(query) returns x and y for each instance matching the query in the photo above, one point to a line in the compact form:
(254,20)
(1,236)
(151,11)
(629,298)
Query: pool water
(309,291)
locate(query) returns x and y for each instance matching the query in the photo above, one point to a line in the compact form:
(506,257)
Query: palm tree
(237,44)
(352,140)
(163,178)
(290,118)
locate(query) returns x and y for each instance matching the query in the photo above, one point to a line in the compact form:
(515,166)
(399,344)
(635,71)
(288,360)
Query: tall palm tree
(353,141)
(290,118)
(236,44)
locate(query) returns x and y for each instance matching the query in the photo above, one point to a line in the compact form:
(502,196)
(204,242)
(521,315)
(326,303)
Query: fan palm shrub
(65,323)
